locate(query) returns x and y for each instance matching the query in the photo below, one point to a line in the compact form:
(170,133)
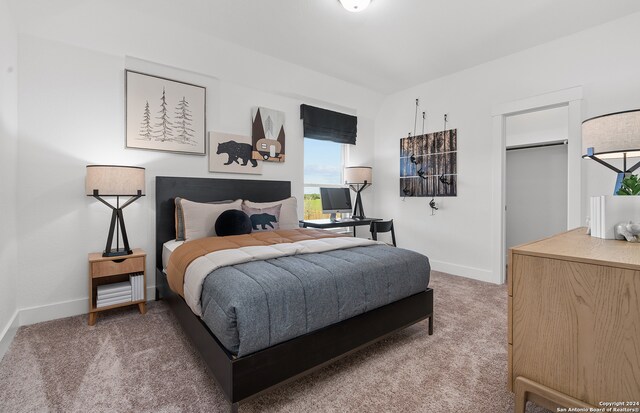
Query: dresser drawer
(117,266)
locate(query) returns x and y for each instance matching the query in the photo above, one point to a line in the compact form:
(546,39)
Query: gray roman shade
(327,125)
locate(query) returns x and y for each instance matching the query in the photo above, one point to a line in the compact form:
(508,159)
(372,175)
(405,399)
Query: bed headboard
(206,190)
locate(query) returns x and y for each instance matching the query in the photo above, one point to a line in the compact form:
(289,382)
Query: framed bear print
(232,154)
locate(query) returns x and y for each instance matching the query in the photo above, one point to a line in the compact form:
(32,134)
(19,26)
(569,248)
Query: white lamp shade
(612,135)
(114,180)
(355,5)
(357,175)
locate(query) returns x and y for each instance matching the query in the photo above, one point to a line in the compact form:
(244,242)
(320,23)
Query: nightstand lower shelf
(111,270)
(93,312)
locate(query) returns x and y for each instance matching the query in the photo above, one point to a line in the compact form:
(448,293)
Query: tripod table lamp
(115,181)
(358,178)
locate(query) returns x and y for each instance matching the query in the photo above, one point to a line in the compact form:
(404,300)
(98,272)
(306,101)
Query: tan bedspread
(189,251)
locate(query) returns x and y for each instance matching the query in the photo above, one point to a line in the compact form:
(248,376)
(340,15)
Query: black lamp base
(358,210)
(117,222)
(117,252)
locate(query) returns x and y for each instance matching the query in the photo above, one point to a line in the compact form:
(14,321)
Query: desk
(341,223)
(574,321)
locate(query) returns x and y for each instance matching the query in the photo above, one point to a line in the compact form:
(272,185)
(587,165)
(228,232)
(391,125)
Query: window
(323,167)
(326,135)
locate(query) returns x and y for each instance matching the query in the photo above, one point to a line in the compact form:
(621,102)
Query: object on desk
(335,200)
(629,231)
(358,178)
(377,227)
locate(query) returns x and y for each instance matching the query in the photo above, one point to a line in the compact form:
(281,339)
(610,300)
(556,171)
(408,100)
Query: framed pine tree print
(164,114)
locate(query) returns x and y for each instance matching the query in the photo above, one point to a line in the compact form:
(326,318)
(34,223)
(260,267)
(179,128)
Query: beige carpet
(128,362)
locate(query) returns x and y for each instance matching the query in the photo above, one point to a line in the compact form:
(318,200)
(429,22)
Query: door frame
(572,99)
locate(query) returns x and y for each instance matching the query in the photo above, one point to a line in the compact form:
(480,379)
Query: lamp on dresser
(358,178)
(114,180)
(613,136)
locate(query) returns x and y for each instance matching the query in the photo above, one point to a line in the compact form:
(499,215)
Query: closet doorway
(536,175)
(571,101)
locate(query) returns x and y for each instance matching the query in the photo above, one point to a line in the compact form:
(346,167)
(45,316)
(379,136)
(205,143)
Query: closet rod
(539,145)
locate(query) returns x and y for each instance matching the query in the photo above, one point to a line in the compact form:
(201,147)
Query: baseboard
(463,271)
(38,314)
(8,333)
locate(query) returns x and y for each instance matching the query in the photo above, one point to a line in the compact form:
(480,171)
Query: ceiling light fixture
(355,5)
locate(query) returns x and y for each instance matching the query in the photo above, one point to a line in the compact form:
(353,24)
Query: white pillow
(200,218)
(180,216)
(288,212)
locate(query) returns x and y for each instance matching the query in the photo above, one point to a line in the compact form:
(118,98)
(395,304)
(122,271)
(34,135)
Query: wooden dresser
(574,322)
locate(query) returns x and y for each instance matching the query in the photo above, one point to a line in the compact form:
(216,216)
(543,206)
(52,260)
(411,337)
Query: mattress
(167,248)
(255,305)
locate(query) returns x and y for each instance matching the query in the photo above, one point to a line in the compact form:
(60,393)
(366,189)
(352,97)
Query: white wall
(8,169)
(603,60)
(71,106)
(550,125)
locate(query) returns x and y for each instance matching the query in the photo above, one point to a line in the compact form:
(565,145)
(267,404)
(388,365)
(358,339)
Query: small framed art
(267,134)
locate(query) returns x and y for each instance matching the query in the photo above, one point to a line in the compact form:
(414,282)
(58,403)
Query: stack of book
(609,211)
(137,286)
(114,293)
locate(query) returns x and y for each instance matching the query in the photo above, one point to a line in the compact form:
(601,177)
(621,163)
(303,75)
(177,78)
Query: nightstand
(108,270)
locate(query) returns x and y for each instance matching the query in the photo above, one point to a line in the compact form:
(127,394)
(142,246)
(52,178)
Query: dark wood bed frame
(246,377)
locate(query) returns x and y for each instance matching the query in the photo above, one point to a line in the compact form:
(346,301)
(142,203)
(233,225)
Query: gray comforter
(255,305)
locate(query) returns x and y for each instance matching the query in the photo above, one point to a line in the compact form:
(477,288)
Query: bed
(246,373)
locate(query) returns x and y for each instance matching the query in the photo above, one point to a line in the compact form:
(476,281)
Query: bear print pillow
(263,219)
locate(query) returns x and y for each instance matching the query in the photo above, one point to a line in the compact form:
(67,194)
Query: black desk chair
(382,226)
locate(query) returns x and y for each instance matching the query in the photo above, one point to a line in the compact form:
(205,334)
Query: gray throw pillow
(288,214)
(263,219)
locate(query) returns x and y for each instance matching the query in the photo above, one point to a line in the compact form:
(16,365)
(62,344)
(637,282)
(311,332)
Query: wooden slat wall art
(435,154)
